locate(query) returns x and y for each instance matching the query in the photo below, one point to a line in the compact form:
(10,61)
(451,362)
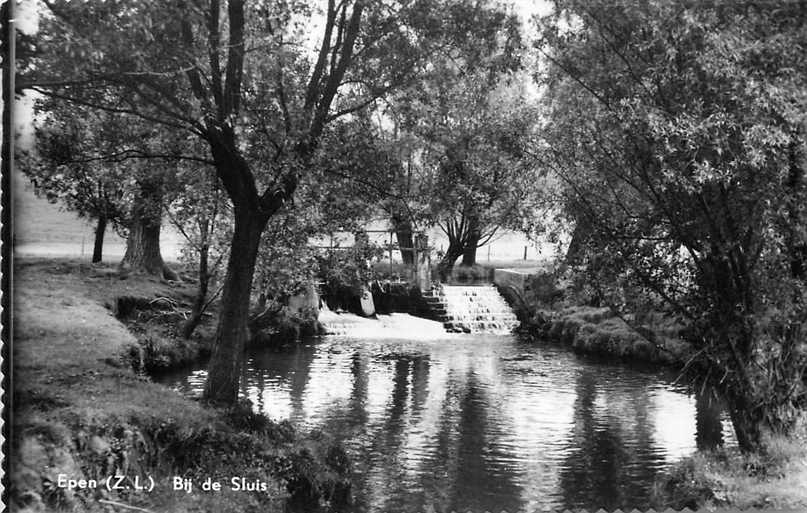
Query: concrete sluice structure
(457,309)
(392,326)
(472,309)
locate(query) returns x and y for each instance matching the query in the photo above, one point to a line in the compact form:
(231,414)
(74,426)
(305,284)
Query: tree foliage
(242,78)
(462,132)
(484,173)
(69,164)
(677,131)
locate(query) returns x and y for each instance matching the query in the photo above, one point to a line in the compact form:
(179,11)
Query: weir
(472,309)
(392,326)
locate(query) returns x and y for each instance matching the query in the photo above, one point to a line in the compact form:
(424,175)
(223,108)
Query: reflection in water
(612,457)
(481,422)
(476,442)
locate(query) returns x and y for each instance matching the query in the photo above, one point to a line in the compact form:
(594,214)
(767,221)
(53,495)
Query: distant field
(37,220)
(45,229)
(42,228)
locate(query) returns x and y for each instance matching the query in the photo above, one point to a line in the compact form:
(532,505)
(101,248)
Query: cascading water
(473,309)
(392,326)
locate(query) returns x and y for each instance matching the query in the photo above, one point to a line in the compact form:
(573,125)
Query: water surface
(474,422)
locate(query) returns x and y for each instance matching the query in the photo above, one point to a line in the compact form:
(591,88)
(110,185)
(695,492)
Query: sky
(529,8)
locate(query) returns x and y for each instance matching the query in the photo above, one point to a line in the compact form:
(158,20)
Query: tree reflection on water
(482,424)
(612,457)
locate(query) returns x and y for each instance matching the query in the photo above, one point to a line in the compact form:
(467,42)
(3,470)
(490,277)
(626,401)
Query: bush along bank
(549,310)
(156,323)
(728,477)
(81,412)
(598,331)
(261,466)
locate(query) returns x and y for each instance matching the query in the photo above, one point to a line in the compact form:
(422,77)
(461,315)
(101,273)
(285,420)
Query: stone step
(470,309)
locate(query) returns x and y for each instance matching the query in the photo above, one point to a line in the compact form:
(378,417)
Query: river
(481,422)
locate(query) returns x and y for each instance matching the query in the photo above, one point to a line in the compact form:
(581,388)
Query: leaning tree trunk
(446,265)
(577,245)
(748,423)
(232,332)
(98,246)
(143,243)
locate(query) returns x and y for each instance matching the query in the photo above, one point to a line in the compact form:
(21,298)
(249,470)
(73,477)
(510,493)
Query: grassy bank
(83,413)
(722,478)
(727,477)
(598,331)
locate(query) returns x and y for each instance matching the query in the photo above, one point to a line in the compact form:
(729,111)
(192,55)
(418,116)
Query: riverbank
(81,412)
(727,477)
(598,331)
(722,478)
(549,310)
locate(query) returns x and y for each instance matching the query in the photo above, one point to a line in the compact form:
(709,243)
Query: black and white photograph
(404,256)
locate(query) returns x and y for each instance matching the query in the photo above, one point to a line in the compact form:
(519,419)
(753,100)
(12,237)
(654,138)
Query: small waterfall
(472,309)
(392,326)
(337,324)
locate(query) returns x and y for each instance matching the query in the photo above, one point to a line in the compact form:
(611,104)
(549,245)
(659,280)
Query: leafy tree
(483,173)
(64,167)
(465,127)
(401,180)
(86,160)
(234,75)
(420,117)
(339,194)
(492,177)
(148,194)
(677,131)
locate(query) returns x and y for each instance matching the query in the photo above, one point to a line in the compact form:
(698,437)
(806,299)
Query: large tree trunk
(471,245)
(143,250)
(98,246)
(446,265)
(747,422)
(143,243)
(756,405)
(406,243)
(232,333)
